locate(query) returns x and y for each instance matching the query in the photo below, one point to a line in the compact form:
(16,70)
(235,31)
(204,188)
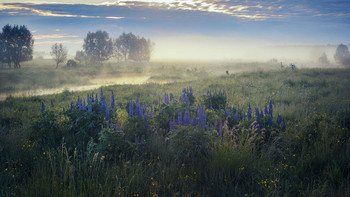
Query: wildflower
(257,115)
(89,107)
(131,108)
(52,104)
(171,96)
(193,122)
(166,99)
(283,129)
(236,116)
(221,130)
(249,113)
(42,107)
(186,120)
(145,119)
(107,113)
(112,102)
(71,106)
(279,120)
(270,108)
(179,117)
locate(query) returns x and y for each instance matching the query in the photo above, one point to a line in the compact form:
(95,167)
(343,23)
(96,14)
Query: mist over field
(174,98)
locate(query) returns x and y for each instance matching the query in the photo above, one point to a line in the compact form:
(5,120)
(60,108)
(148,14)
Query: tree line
(16,46)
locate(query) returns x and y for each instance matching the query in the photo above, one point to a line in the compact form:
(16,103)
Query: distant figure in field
(292,66)
(227,72)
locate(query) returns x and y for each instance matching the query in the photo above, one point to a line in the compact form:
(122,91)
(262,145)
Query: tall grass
(311,158)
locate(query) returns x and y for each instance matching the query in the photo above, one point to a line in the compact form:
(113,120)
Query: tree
(98,46)
(342,55)
(323,60)
(81,57)
(16,45)
(59,53)
(133,47)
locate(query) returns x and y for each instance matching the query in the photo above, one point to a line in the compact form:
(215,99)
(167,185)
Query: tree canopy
(16,45)
(98,46)
(133,47)
(342,55)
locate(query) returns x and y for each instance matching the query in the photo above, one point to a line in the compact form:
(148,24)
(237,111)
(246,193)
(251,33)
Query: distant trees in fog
(58,53)
(342,55)
(99,47)
(132,47)
(16,45)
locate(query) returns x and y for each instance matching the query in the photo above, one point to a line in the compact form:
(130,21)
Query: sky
(185,29)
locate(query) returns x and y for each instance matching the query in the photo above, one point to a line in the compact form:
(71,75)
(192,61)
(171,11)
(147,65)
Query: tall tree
(16,45)
(58,53)
(98,46)
(342,55)
(133,47)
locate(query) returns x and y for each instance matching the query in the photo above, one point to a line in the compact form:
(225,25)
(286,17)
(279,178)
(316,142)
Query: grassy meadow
(259,131)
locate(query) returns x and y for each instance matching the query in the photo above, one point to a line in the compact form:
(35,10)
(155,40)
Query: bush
(189,145)
(72,63)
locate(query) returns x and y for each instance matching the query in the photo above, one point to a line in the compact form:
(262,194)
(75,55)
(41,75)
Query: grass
(42,154)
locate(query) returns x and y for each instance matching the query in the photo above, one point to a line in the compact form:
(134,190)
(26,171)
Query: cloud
(76,41)
(27,10)
(54,36)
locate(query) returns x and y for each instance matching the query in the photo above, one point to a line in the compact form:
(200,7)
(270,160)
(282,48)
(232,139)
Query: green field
(64,151)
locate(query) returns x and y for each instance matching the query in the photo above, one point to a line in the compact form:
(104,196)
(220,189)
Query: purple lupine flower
(270,108)
(283,129)
(92,97)
(117,126)
(151,112)
(236,116)
(182,98)
(270,122)
(71,106)
(221,130)
(89,107)
(193,122)
(171,96)
(145,119)
(186,118)
(257,115)
(261,114)
(103,105)
(101,95)
(249,113)
(107,112)
(191,91)
(42,107)
(113,102)
(96,99)
(266,111)
(279,120)
(52,105)
(201,117)
(166,99)
(131,108)
(228,112)
(179,117)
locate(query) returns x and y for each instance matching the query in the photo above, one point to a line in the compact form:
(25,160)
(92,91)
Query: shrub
(72,63)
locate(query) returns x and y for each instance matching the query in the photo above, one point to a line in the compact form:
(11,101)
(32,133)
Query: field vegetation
(259,131)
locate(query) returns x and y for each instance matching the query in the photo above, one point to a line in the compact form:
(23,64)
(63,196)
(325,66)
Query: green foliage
(64,152)
(71,63)
(113,145)
(215,101)
(190,145)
